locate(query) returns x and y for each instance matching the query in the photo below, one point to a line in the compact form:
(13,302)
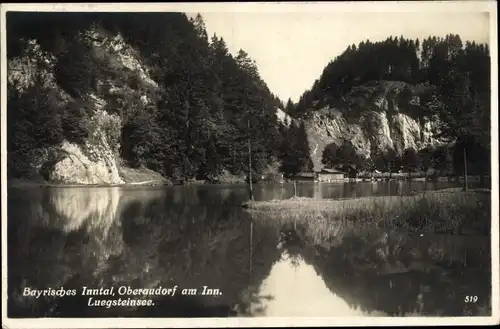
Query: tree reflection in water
(151,239)
(383,272)
(192,238)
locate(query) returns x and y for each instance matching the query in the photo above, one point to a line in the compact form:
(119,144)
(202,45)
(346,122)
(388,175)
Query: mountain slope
(148,91)
(71,159)
(406,102)
(111,98)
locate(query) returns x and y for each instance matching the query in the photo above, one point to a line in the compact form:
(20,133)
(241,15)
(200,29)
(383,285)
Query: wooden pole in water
(251,247)
(465,170)
(249,163)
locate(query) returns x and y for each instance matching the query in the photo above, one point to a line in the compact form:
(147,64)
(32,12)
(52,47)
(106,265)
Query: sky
(292,48)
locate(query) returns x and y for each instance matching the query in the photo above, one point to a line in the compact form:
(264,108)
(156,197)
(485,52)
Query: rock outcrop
(283,117)
(95,160)
(375,121)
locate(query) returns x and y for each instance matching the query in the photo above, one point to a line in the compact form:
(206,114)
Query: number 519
(471,299)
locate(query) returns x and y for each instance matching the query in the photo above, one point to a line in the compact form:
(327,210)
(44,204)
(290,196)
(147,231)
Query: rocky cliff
(94,160)
(283,117)
(377,117)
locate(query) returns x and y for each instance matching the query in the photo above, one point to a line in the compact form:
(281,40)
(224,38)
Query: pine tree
(289,107)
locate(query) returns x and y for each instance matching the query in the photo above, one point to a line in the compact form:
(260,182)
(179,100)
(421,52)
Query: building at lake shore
(323,175)
(331,175)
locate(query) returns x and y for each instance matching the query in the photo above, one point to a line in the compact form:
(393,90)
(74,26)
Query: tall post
(425,182)
(249,163)
(294,188)
(465,170)
(251,248)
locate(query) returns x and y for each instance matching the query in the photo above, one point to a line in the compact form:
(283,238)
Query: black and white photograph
(249,164)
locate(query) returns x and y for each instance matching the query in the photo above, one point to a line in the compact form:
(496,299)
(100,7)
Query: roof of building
(331,171)
(306,174)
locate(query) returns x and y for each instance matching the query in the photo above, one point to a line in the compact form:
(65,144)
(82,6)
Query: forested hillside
(91,94)
(112,97)
(401,96)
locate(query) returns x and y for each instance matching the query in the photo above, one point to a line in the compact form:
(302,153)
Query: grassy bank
(440,211)
(133,177)
(31,184)
(142,176)
(20,184)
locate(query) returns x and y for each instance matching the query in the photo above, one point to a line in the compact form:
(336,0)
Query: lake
(223,262)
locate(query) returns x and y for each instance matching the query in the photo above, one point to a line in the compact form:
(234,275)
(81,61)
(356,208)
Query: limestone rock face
(77,168)
(95,160)
(283,117)
(381,124)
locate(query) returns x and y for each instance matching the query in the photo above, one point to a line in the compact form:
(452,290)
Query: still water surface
(198,236)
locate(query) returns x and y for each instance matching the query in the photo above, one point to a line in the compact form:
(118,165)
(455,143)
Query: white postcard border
(420,6)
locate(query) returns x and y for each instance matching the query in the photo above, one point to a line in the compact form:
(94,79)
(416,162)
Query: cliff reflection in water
(198,236)
(141,238)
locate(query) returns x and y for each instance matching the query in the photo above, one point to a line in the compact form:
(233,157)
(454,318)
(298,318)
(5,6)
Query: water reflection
(143,238)
(199,236)
(291,280)
(363,271)
(349,190)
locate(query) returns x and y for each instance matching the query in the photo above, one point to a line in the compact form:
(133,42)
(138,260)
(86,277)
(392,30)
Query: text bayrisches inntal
(127,296)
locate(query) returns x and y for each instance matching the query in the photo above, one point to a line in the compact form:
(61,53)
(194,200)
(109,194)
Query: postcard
(249,164)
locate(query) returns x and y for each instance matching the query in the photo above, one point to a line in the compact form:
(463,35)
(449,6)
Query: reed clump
(452,212)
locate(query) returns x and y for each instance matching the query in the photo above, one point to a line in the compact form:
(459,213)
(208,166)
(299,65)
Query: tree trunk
(250,186)
(465,170)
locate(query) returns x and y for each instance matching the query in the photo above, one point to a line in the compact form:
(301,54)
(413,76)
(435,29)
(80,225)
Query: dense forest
(455,75)
(207,104)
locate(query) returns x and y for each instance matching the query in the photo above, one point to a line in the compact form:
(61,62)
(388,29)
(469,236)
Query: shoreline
(296,201)
(26,183)
(156,183)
